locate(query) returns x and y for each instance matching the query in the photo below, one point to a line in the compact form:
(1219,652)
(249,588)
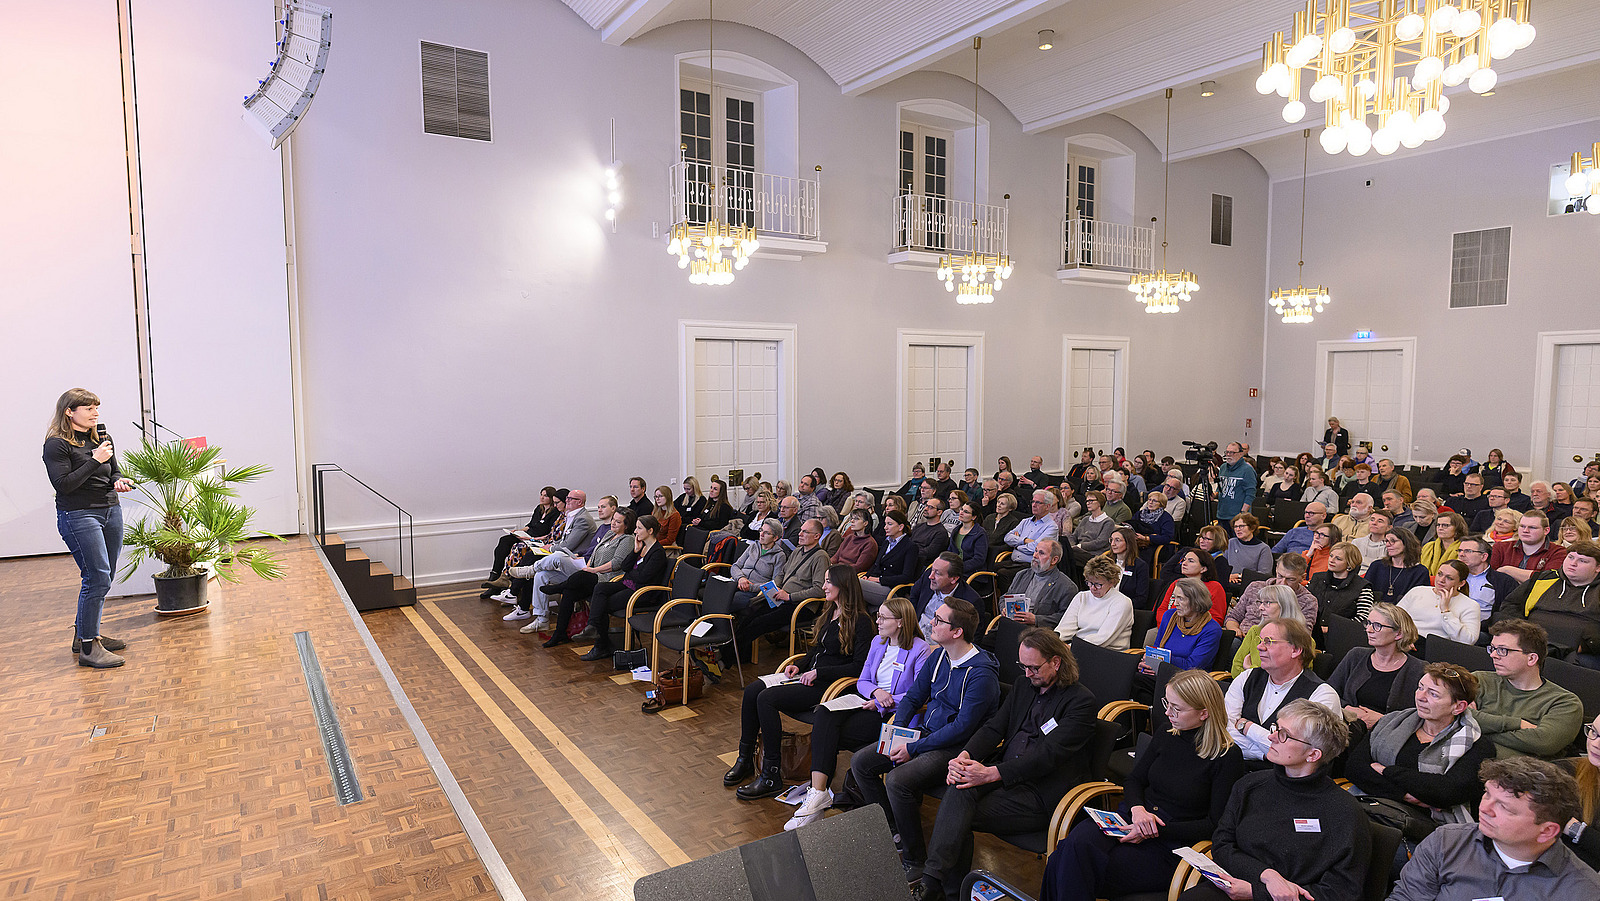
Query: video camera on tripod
(1200,453)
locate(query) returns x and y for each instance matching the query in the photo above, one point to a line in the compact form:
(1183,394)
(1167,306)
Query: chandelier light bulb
(1333,140)
(1525,36)
(1294,111)
(1444,18)
(1385,141)
(1431,124)
(1326,88)
(1428,68)
(1466,24)
(1342,39)
(1413,138)
(1367,88)
(1265,83)
(1577,183)
(1483,81)
(1444,104)
(1410,27)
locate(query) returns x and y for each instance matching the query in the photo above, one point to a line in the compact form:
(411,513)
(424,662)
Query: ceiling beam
(953,41)
(630,20)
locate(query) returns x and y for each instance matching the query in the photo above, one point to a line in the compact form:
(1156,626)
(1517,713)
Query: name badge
(1049,726)
(897,666)
(1307,825)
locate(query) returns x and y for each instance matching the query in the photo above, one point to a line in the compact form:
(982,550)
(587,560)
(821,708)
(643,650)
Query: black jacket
(898,565)
(1054,761)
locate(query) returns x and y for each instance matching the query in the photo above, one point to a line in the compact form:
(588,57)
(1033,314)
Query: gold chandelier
(1351,51)
(1583,183)
(1299,304)
(714,250)
(1160,291)
(975,267)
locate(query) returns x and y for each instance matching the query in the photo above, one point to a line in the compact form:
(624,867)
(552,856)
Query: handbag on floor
(579,622)
(670,684)
(796,757)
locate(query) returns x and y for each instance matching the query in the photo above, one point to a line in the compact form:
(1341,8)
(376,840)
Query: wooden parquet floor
(580,791)
(196,770)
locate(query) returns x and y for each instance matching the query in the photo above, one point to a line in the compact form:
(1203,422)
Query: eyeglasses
(1589,731)
(1281,735)
(1172,708)
(938,619)
(1030,670)
(1500,650)
(1269,642)
(1375,627)
(885,618)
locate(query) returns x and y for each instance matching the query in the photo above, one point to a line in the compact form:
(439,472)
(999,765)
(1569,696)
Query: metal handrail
(775,204)
(944,225)
(1096,244)
(404,525)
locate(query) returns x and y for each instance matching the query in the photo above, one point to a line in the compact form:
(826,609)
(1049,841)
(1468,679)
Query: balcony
(926,228)
(785,211)
(1104,252)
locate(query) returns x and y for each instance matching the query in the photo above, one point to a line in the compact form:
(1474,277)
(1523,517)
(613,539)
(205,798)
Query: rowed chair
(1581,681)
(1005,635)
(715,606)
(1285,514)
(1122,759)
(1344,635)
(1109,674)
(647,619)
(1380,865)
(839,686)
(1474,658)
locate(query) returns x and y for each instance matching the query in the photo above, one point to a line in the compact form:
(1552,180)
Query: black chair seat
(1107,673)
(1474,658)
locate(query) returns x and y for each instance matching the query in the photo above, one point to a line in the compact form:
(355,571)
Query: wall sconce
(613,182)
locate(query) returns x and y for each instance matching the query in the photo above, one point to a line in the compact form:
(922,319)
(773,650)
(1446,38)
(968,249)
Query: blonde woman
(1449,528)
(691,504)
(1572,531)
(1383,676)
(1505,525)
(1277,602)
(1176,794)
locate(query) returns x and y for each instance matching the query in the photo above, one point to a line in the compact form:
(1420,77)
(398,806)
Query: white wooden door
(736,419)
(1365,390)
(1575,419)
(1091,404)
(936,404)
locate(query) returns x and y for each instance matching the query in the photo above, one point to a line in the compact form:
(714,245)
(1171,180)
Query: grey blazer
(577,535)
(1051,600)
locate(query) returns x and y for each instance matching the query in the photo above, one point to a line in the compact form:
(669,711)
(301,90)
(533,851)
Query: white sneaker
(815,803)
(506,597)
(517,615)
(539,624)
(798,820)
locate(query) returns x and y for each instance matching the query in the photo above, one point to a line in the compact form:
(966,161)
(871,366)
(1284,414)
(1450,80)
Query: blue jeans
(95,539)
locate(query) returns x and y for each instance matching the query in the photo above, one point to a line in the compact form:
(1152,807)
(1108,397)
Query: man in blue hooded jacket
(960,684)
(1236,483)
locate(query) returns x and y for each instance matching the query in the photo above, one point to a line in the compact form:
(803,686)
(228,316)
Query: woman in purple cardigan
(897,653)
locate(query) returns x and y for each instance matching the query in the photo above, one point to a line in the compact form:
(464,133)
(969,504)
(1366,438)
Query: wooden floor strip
(616,797)
(581,813)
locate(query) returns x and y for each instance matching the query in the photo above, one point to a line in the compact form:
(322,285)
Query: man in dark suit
(1015,769)
(930,536)
(942,579)
(1486,585)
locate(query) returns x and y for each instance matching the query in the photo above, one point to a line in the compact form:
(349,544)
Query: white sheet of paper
(643,674)
(844,702)
(1200,861)
(700,629)
(772,679)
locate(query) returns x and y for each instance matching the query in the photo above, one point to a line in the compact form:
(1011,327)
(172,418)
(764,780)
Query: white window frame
(973,341)
(1119,425)
(719,118)
(1408,381)
(786,334)
(1544,394)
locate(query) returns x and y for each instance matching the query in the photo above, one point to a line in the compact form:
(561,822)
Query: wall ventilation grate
(1480,265)
(1222,220)
(455,92)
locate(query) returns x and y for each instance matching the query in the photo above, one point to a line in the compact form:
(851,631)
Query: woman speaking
(83,469)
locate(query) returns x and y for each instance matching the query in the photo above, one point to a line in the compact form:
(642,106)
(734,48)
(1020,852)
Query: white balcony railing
(942,225)
(774,204)
(1093,244)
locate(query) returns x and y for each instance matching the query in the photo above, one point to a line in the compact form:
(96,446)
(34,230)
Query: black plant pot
(181,595)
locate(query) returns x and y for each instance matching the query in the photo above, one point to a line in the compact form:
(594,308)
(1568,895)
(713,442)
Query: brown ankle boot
(98,657)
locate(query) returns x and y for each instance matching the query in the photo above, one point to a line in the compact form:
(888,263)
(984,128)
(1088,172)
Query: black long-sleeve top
(1457,785)
(1327,854)
(81,481)
(651,569)
(542,521)
(1187,791)
(830,661)
(712,518)
(897,566)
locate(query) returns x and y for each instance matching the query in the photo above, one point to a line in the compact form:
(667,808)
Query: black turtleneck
(81,481)
(1187,791)
(1309,830)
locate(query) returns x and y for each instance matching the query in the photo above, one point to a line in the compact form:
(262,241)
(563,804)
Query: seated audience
(1115,507)
(1469,500)
(1259,693)
(1426,756)
(1572,531)
(912,489)
(1383,676)
(667,515)
(1036,477)
(1399,512)
(1354,521)
(1288,487)
(857,548)
(1174,797)
(1246,552)
(840,492)
(789,517)
(1558,600)
(1582,832)
(1362,484)
(1318,492)
(645,565)
(1027,533)
(1290,832)
(988,498)
(1004,518)
(1092,534)
(832,535)
(638,496)
(896,656)
(570,535)
(551,574)
(898,562)
(1177,494)
(1491,513)
(942,483)
(1339,590)
(1101,614)
(691,504)
(809,497)
(1192,563)
(1298,540)
(1543,498)
(1514,852)
(1271,602)
(539,524)
(761,509)
(930,536)
(1503,528)
(1424,519)
(1124,551)
(1449,530)
(1518,707)
(1290,572)
(1488,587)
(1067,508)
(940,582)
(969,540)
(1047,588)
(1444,608)
(762,562)
(1154,523)
(951,518)
(1515,498)
(1584,509)
(1322,541)
(960,684)
(804,570)
(1532,552)
(1013,771)
(1390,479)
(1400,570)
(717,513)
(844,640)
(1379,524)
(1187,630)
(971,484)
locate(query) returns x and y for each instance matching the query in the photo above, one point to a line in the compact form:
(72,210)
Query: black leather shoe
(554,587)
(597,653)
(743,768)
(766,785)
(557,641)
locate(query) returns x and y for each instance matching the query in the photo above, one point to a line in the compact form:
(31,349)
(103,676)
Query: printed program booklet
(766,592)
(892,738)
(1017,603)
(1110,822)
(1157,656)
(1207,867)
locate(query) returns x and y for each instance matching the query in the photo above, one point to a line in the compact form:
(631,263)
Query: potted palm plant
(196,526)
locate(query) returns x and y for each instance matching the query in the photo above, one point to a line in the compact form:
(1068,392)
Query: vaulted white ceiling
(1118,56)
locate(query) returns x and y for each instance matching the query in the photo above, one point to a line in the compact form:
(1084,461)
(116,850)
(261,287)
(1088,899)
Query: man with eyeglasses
(1379,522)
(1036,477)
(930,536)
(1495,500)
(1013,771)
(960,684)
(1521,710)
(991,496)
(1354,521)
(1514,852)
(1488,586)
(1255,698)
(1469,501)
(1298,539)
(1291,832)
(1236,483)
(1049,590)
(1037,527)
(790,519)
(1565,601)
(941,582)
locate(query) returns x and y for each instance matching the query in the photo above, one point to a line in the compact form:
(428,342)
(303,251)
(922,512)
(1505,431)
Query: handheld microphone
(100,433)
